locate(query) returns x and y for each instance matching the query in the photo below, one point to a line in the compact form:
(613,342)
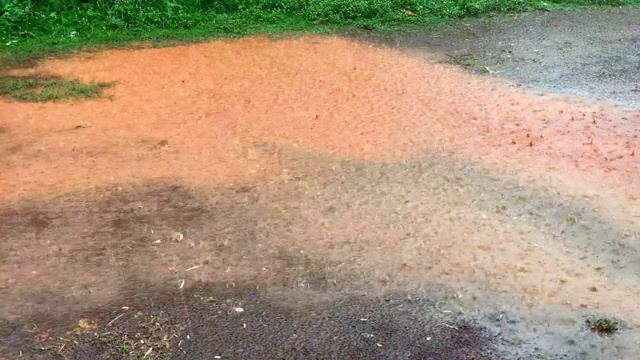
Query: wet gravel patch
(592,53)
(216,322)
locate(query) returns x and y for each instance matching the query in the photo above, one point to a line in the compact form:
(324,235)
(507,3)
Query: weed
(603,325)
(40,89)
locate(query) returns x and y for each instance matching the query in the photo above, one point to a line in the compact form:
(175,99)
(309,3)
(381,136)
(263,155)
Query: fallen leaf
(86,324)
(407,12)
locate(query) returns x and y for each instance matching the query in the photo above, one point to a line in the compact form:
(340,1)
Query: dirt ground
(318,197)
(592,53)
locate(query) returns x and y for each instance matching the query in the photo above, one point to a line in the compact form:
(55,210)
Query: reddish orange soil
(221,113)
(195,112)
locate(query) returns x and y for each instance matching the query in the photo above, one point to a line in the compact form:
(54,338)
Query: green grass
(604,325)
(40,89)
(32,29)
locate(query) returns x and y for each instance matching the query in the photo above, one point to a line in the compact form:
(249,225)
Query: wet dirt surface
(592,53)
(242,322)
(325,175)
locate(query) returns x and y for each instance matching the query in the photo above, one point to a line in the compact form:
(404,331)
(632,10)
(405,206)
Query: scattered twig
(193,268)
(114,319)
(407,12)
(451,327)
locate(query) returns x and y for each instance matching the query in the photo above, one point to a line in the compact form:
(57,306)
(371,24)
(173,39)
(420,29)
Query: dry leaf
(407,12)
(85,325)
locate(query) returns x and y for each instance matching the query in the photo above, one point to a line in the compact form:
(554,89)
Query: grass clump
(41,89)
(603,325)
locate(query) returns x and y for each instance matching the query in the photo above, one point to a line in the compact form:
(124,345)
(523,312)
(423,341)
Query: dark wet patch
(556,51)
(208,321)
(83,245)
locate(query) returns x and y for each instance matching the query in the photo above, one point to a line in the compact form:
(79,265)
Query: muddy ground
(593,53)
(325,198)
